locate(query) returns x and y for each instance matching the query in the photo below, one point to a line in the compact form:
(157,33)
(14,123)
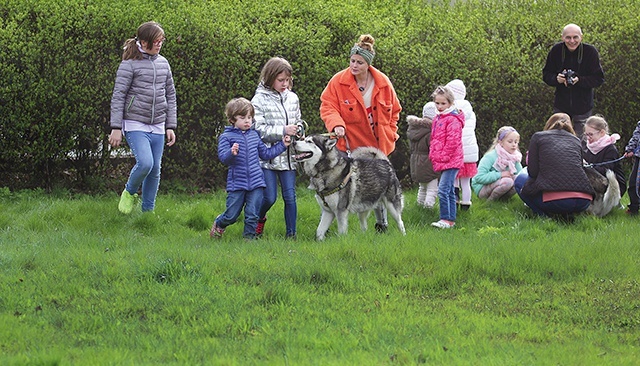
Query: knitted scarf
(448,110)
(507,160)
(606,140)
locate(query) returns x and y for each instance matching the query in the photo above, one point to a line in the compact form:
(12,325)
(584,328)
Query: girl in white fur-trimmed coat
(469,143)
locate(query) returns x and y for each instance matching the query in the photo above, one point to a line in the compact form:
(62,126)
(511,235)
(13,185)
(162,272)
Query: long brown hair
(559,121)
(147,32)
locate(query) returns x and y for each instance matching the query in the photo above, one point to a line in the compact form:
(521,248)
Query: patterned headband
(366,54)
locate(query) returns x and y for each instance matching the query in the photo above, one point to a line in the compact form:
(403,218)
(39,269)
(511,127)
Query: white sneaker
(442,224)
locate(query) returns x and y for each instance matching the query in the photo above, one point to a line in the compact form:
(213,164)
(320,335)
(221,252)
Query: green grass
(82,284)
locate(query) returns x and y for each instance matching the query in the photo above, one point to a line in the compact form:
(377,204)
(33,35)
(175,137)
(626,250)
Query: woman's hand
(115,138)
(339,131)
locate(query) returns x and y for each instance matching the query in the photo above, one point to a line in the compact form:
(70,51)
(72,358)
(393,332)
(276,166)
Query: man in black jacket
(573,68)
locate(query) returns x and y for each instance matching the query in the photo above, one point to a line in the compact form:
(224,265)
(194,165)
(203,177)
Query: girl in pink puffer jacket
(446,152)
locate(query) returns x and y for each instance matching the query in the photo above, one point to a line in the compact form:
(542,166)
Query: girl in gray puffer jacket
(277,113)
(143,105)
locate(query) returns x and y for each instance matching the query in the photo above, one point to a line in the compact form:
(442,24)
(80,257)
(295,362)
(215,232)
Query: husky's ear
(330,143)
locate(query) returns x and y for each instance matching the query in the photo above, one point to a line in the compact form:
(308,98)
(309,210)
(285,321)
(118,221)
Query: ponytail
(131,50)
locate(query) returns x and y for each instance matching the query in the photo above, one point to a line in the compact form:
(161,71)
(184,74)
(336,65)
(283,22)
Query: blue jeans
(447,194)
(634,199)
(288,183)
(147,148)
(236,200)
(566,206)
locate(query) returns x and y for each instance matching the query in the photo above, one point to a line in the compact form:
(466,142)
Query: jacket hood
(417,122)
(458,89)
(429,110)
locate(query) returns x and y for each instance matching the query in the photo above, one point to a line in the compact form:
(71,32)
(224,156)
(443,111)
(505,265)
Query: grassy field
(82,284)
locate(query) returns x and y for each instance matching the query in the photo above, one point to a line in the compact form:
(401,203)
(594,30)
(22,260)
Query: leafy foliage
(58,62)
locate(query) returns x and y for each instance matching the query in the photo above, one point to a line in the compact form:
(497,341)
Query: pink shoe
(443,224)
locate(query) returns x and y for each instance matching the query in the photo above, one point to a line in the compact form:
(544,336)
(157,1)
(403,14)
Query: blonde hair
(238,107)
(274,67)
(597,122)
(503,132)
(559,121)
(147,32)
(366,41)
(444,91)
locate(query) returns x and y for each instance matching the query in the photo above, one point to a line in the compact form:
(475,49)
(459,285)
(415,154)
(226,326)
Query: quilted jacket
(445,151)
(273,111)
(144,92)
(244,169)
(555,164)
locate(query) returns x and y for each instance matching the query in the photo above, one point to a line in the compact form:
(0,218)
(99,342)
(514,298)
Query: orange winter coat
(342,105)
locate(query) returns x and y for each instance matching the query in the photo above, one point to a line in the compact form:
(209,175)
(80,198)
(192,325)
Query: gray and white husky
(343,184)
(607,191)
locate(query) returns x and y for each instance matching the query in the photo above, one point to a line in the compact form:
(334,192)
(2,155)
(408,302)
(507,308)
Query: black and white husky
(343,184)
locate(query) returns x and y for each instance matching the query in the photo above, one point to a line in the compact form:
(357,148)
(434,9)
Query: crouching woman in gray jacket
(143,105)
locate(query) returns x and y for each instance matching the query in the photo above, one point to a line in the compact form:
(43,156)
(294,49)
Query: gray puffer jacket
(274,111)
(144,92)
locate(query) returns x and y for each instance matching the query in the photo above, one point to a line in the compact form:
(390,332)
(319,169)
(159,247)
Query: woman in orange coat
(361,104)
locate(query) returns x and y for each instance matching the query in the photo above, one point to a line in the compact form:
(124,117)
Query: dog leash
(591,165)
(333,135)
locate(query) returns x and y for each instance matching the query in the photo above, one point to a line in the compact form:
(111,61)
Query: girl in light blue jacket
(277,114)
(499,166)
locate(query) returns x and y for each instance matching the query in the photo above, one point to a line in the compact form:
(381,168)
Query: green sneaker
(127,201)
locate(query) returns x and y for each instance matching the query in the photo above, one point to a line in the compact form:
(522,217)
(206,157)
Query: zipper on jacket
(153,104)
(246,156)
(130,103)
(286,123)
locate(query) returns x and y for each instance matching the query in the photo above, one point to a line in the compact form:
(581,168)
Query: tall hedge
(58,61)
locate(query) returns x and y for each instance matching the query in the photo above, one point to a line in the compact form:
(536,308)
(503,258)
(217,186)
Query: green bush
(58,61)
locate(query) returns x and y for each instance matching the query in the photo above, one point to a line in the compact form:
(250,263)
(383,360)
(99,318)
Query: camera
(569,75)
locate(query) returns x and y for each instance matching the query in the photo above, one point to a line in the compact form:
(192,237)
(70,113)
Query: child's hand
(628,154)
(234,148)
(290,130)
(506,174)
(286,139)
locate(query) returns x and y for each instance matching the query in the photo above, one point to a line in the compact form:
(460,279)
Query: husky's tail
(612,195)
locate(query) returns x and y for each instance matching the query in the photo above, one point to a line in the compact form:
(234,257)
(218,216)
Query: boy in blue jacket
(240,148)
